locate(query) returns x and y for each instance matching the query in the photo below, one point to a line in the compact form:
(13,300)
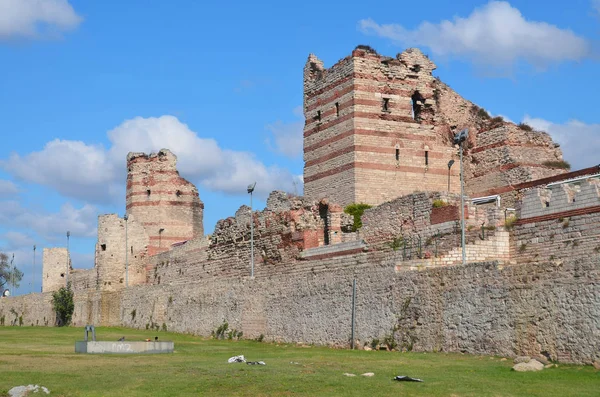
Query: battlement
(571,196)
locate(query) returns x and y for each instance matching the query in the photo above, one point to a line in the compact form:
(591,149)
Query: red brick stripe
(165,203)
(169,238)
(364,132)
(372,149)
(373,166)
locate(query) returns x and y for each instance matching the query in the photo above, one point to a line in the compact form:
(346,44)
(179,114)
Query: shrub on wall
(510,222)
(563,165)
(62,303)
(525,127)
(356,210)
(439,203)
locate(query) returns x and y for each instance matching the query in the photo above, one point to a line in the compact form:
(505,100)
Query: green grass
(45,356)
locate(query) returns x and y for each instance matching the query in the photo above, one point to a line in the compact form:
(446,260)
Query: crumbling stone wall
(506,155)
(55,262)
(288,225)
(412,225)
(166,205)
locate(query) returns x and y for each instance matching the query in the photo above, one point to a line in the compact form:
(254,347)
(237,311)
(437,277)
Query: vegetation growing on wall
(438,203)
(561,164)
(356,210)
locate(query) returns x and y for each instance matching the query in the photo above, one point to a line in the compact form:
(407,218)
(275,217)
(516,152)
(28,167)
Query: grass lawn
(45,356)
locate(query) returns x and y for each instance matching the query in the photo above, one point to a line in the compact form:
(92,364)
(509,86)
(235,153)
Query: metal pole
(33,272)
(68,260)
(12,275)
(462,207)
(353,312)
(251,239)
(126,255)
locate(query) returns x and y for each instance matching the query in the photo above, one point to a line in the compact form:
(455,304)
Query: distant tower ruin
(164,203)
(55,262)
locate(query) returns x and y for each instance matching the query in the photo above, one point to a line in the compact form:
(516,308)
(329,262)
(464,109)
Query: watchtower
(370,133)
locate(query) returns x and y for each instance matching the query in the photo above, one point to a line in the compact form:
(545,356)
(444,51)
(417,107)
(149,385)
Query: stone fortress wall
(530,286)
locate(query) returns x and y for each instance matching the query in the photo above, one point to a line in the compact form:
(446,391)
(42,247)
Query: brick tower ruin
(379,127)
(370,134)
(164,203)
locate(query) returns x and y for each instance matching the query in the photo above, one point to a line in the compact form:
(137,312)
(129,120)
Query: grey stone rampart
(561,197)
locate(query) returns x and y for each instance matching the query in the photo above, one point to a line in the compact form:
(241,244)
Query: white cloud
(596,5)
(288,137)
(93,173)
(7,188)
(81,222)
(496,34)
(32,18)
(579,142)
(17,239)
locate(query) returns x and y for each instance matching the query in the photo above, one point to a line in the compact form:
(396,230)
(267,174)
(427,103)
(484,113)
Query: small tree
(62,302)
(8,273)
(356,210)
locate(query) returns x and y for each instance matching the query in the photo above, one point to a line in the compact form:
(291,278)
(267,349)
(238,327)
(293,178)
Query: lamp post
(250,190)
(450,163)
(126,254)
(33,272)
(459,140)
(160,237)
(68,259)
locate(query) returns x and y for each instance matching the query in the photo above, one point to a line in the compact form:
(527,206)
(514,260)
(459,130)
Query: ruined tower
(55,262)
(164,203)
(379,127)
(370,134)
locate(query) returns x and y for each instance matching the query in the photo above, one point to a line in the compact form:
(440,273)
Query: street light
(126,254)
(68,259)
(33,272)
(459,139)
(450,163)
(250,190)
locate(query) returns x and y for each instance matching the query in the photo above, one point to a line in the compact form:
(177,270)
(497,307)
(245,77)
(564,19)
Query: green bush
(438,203)
(356,210)
(510,222)
(62,303)
(563,165)
(525,127)
(479,112)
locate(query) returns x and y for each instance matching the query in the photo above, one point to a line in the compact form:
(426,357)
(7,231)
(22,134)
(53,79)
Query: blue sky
(84,82)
